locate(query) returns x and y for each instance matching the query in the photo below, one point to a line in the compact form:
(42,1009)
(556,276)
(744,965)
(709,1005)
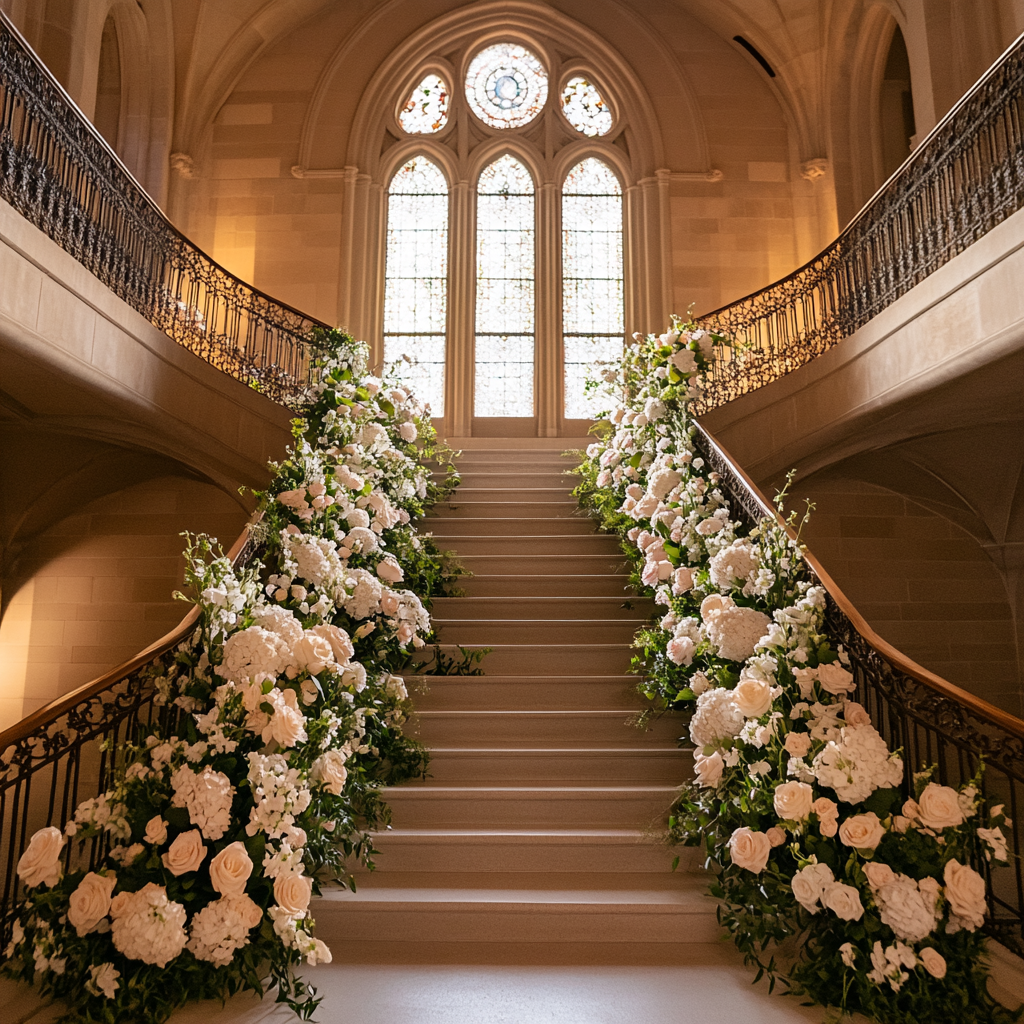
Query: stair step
(515,915)
(582,729)
(490,632)
(518,693)
(482,806)
(492,526)
(533,544)
(560,608)
(553,766)
(545,659)
(463,508)
(540,851)
(512,476)
(513,495)
(554,565)
(495,585)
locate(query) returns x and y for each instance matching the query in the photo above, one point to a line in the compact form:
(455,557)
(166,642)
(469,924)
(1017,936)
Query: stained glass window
(416,283)
(592,304)
(506,85)
(504,290)
(584,107)
(426,110)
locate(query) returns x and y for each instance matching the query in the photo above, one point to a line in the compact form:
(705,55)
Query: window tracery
(584,107)
(426,110)
(506,85)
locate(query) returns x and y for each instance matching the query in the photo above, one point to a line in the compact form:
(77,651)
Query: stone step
(581,729)
(555,454)
(487,526)
(553,766)
(554,565)
(523,693)
(491,632)
(560,608)
(582,852)
(516,478)
(513,495)
(403,915)
(466,807)
(532,544)
(517,509)
(601,659)
(493,585)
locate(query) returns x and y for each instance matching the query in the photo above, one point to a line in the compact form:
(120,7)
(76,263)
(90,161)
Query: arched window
(504,290)
(592,281)
(416,278)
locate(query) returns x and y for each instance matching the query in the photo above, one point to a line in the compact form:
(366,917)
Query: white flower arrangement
(283,722)
(796,797)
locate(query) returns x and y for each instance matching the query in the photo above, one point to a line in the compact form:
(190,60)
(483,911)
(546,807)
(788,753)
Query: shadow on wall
(923,583)
(97,587)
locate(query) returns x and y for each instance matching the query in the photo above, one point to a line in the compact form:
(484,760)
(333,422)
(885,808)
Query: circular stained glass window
(506,85)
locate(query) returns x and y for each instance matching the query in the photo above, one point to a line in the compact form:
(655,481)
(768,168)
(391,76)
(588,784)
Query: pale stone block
(246,113)
(248,167)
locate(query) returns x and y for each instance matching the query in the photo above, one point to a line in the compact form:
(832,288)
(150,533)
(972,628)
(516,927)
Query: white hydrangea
(207,796)
(737,563)
(253,655)
(222,927)
(314,559)
(857,764)
(908,911)
(716,719)
(147,926)
(361,594)
(279,794)
(734,630)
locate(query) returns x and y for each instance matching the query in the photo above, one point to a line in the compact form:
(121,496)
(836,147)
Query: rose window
(506,85)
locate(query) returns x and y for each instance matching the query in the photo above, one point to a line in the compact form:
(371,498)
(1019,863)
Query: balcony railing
(59,173)
(965,178)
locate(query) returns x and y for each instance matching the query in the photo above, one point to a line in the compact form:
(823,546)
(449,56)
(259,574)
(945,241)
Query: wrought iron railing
(965,178)
(67,751)
(58,172)
(932,721)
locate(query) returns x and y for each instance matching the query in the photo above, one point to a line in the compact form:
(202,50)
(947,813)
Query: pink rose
(933,962)
(230,870)
(186,853)
(680,650)
(793,801)
(682,581)
(828,816)
(854,714)
(750,850)
(797,744)
(878,874)
(90,902)
(965,891)
(389,570)
(292,892)
(862,831)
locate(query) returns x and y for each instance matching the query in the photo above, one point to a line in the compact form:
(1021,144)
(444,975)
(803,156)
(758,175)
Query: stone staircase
(533,839)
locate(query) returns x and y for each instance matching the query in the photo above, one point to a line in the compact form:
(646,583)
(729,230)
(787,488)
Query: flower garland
(285,718)
(796,799)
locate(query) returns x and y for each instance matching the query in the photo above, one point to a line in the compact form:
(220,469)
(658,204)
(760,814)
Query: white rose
(862,831)
(843,901)
(230,870)
(793,801)
(836,679)
(90,902)
(810,883)
(878,874)
(389,570)
(408,431)
(938,807)
(683,360)
(186,853)
(797,744)
(854,714)
(292,892)
(680,649)
(933,962)
(40,863)
(341,644)
(965,891)
(708,769)
(753,697)
(330,769)
(313,653)
(682,581)
(750,849)
(156,831)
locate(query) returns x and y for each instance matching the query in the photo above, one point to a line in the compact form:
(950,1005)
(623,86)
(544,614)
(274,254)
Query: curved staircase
(533,839)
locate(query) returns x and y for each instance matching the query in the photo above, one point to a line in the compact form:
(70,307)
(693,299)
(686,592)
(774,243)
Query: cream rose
(828,816)
(292,892)
(389,570)
(938,807)
(776,836)
(90,902)
(794,801)
(843,901)
(341,644)
(708,769)
(862,831)
(313,653)
(753,697)
(965,890)
(40,863)
(933,962)
(330,769)
(854,714)
(156,831)
(680,650)
(230,870)
(878,874)
(750,849)
(836,679)
(186,853)
(797,743)
(682,581)
(810,883)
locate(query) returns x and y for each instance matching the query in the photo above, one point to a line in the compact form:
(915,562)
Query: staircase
(533,840)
